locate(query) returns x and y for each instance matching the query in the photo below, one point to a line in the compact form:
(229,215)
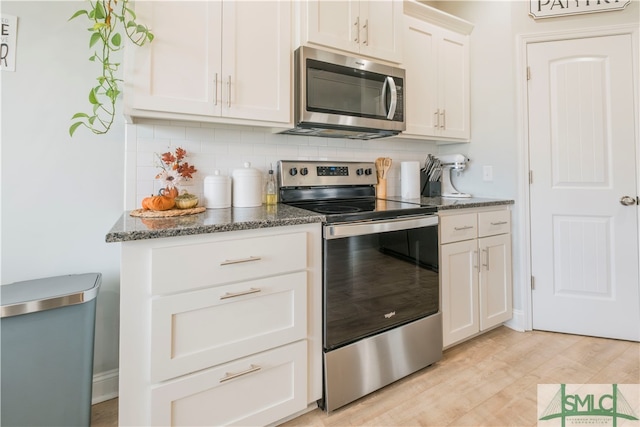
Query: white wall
(60,195)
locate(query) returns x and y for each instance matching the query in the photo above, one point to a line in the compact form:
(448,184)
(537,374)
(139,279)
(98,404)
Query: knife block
(430,188)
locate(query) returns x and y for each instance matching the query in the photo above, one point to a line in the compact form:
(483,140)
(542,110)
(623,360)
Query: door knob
(628,201)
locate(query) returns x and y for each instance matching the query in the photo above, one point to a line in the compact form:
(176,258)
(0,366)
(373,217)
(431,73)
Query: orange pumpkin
(158,203)
(169,192)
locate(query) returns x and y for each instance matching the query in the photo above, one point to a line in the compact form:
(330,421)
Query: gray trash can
(47,328)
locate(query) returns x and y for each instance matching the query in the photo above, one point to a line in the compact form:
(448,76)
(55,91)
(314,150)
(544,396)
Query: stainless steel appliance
(346,97)
(381,291)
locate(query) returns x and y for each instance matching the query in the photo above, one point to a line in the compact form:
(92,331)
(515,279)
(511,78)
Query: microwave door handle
(383,94)
(394,96)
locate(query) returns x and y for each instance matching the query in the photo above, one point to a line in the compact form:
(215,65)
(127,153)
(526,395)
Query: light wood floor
(488,381)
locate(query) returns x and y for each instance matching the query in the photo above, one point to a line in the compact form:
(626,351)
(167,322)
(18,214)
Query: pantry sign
(8,27)
(553,8)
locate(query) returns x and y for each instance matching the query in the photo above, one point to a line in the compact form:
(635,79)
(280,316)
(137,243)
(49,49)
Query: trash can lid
(51,292)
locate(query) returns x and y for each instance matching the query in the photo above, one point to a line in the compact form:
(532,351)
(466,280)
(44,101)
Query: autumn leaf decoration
(174,168)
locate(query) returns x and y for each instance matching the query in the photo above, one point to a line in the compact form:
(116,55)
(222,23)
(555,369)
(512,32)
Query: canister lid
(216,178)
(247,171)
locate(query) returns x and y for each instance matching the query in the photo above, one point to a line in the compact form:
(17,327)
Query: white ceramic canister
(247,187)
(217,191)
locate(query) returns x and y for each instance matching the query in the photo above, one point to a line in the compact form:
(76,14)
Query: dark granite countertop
(462,203)
(129,228)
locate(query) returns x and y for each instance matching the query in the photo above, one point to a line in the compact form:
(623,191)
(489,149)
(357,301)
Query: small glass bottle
(270,189)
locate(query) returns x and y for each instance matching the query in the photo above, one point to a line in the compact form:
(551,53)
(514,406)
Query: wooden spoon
(380,167)
(386,167)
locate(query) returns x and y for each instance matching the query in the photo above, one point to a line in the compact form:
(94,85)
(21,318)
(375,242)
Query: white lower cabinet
(247,317)
(255,390)
(475,270)
(222,328)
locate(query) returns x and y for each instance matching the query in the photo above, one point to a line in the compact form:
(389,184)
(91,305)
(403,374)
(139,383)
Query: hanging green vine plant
(107,16)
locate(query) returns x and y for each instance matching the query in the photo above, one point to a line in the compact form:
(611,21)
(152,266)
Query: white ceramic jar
(247,187)
(217,191)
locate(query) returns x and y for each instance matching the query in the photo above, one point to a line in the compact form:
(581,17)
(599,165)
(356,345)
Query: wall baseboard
(105,386)
(517,322)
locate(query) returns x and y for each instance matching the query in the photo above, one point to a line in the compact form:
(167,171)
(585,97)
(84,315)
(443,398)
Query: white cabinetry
(222,328)
(212,61)
(475,269)
(366,27)
(437,72)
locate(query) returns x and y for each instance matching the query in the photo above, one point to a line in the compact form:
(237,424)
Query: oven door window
(376,282)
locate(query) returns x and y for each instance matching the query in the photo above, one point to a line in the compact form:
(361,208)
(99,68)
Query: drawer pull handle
(228,295)
(229,376)
(486,265)
(499,223)
(238,261)
(466,227)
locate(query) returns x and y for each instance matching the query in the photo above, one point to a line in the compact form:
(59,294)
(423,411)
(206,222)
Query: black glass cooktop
(346,210)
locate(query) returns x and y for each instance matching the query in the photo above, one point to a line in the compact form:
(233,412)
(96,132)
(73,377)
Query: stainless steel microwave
(346,97)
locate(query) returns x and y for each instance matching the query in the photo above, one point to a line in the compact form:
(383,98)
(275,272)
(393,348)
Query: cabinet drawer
(185,267)
(454,228)
(197,330)
(256,390)
(492,223)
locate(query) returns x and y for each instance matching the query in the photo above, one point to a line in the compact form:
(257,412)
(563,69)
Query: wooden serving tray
(145,213)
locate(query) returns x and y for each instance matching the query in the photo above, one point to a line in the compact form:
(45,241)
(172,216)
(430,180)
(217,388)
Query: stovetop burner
(337,209)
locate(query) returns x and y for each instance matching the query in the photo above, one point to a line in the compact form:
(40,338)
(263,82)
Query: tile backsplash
(225,148)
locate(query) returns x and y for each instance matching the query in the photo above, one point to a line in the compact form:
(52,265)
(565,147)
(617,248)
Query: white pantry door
(584,241)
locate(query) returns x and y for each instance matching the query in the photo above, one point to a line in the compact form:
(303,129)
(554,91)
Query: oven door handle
(363,228)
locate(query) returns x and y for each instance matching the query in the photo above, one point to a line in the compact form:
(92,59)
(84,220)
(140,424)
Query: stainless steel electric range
(381,288)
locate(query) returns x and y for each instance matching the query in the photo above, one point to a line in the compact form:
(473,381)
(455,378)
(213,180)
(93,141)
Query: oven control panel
(306,173)
(333,170)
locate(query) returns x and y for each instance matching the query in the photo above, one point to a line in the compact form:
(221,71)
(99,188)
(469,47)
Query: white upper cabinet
(437,74)
(212,61)
(366,27)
